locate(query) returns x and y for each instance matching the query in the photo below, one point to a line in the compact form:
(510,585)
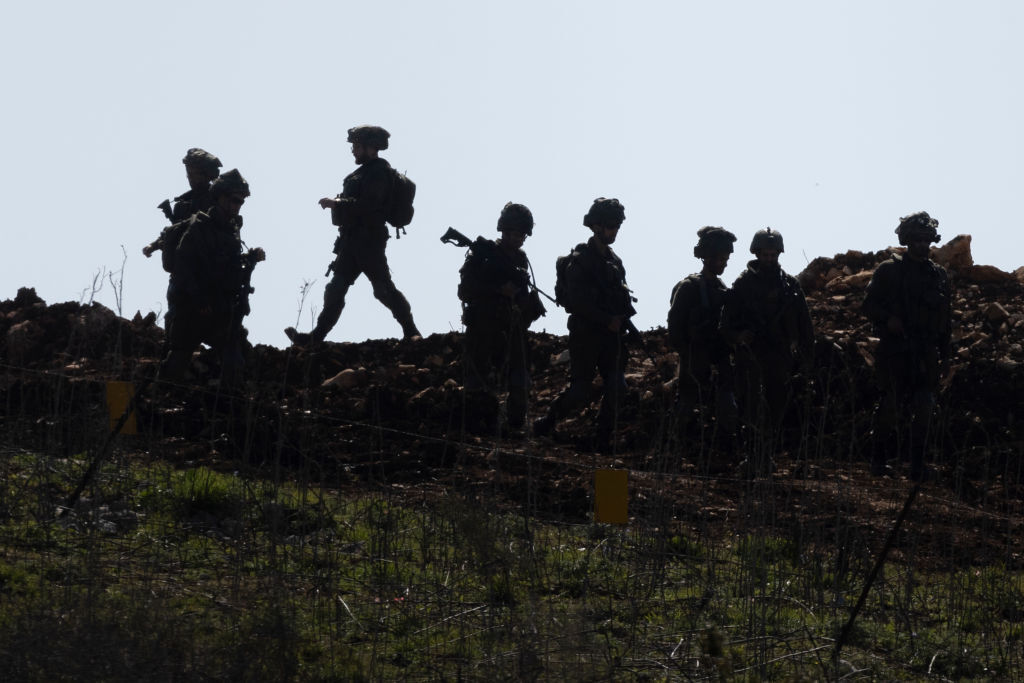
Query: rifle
(165,206)
(249,261)
(158,243)
(485,247)
(632,334)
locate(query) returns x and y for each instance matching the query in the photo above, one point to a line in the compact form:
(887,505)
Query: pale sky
(824,120)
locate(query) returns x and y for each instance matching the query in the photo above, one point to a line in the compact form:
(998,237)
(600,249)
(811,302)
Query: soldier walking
(201,169)
(704,377)
(360,212)
(766,321)
(600,306)
(908,302)
(210,282)
(497,310)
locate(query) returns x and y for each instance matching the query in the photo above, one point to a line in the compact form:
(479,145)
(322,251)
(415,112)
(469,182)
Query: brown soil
(390,416)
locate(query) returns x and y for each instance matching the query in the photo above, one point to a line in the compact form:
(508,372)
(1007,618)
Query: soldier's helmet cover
(918,226)
(230,182)
(516,217)
(203,160)
(373,136)
(766,239)
(605,212)
(712,240)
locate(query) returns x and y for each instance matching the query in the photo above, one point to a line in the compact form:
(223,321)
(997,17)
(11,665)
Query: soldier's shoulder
(691,280)
(378,168)
(889,266)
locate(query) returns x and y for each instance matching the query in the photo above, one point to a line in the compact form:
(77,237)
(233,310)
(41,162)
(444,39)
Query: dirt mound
(391,412)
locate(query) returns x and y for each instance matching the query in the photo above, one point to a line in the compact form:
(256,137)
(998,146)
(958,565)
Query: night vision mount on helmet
(918,226)
(766,239)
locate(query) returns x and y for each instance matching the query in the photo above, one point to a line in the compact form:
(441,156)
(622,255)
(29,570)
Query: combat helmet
(203,160)
(604,211)
(228,183)
(516,217)
(374,136)
(712,240)
(918,226)
(766,239)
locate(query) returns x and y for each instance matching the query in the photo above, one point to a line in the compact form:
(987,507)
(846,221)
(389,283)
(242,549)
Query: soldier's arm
(877,306)
(191,263)
(732,326)
(584,293)
(805,326)
(370,207)
(679,314)
(473,284)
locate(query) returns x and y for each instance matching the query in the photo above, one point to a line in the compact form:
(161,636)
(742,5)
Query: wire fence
(269,534)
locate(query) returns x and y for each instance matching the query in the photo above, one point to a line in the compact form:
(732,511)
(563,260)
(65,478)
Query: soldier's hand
(257,254)
(148,250)
(895,325)
(509,290)
(615,324)
(745,337)
(328,203)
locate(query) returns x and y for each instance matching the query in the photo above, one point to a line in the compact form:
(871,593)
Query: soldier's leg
(776,376)
(345,270)
(184,336)
(518,373)
(375,265)
(611,364)
(884,434)
(693,393)
(922,405)
(583,357)
(227,341)
(481,402)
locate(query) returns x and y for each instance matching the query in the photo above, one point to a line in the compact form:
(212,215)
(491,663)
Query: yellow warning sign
(611,497)
(119,396)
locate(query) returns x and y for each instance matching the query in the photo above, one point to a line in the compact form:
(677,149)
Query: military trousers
(496,359)
(908,379)
(217,326)
(764,386)
(593,348)
(362,255)
(705,384)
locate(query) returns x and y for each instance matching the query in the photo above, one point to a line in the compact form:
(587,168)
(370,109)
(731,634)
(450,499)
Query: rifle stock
(165,206)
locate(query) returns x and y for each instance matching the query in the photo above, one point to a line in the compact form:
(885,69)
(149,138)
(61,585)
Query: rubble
(328,404)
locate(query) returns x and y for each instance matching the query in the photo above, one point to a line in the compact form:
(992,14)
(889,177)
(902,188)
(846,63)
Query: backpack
(170,238)
(561,285)
(400,209)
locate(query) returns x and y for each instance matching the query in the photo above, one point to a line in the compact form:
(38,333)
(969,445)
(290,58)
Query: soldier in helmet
(201,169)
(599,305)
(766,321)
(908,302)
(210,282)
(360,212)
(705,368)
(498,307)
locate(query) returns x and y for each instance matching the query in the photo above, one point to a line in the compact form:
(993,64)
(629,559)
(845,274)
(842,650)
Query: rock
(986,275)
(22,339)
(849,283)
(995,313)
(346,379)
(954,254)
